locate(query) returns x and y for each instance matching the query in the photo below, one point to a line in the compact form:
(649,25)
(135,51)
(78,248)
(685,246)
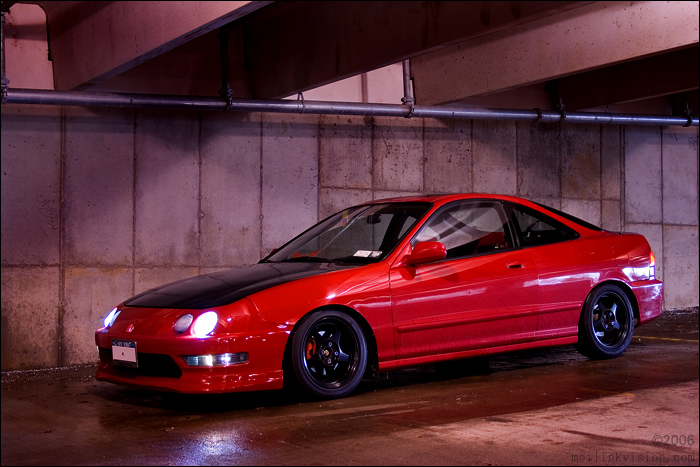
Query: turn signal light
(224,359)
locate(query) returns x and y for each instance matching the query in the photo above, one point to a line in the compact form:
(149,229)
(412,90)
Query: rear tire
(329,354)
(607,323)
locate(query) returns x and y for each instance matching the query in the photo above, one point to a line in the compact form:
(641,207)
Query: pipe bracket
(539,114)
(609,112)
(300,97)
(560,108)
(411,102)
(227,94)
(689,115)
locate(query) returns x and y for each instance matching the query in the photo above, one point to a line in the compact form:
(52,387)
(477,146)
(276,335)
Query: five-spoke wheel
(607,323)
(329,354)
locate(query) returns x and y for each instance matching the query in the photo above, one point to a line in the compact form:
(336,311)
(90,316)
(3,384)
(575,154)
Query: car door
(483,294)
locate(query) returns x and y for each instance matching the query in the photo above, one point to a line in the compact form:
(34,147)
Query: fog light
(223,359)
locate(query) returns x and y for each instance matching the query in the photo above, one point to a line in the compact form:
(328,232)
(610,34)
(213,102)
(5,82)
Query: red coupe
(388,284)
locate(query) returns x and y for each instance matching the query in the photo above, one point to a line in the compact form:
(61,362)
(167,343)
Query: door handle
(515,265)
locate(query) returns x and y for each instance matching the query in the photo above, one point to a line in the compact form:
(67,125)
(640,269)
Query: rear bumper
(650,299)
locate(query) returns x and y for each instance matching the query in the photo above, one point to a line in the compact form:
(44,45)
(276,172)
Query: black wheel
(329,354)
(606,324)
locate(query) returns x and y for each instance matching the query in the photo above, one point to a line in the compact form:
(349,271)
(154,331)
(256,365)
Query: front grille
(150,364)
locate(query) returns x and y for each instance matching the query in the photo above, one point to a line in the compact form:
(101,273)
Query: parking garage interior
(145,142)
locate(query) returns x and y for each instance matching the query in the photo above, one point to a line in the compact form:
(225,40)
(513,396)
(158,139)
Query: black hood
(222,288)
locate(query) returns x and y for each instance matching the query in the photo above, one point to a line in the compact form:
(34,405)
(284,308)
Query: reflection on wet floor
(77,420)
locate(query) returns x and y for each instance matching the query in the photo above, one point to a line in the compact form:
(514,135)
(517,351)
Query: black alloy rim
(331,355)
(610,320)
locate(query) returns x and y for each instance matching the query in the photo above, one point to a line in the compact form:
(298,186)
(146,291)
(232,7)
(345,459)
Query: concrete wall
(101,204)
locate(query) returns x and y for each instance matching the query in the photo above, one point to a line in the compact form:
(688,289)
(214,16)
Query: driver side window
(468,229)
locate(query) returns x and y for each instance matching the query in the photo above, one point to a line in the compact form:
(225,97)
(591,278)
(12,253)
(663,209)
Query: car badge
(130,328)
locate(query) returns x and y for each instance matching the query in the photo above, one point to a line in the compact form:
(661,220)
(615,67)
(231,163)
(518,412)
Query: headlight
(183,322)
(111,317)
(205,323)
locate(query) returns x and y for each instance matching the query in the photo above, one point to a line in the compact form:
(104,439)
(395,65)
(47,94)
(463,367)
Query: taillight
(652,266)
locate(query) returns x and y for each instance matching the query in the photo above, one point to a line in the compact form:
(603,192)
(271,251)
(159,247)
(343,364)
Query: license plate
(124,353)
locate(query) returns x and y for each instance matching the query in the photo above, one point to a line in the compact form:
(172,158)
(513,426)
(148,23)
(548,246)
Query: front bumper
(162,367)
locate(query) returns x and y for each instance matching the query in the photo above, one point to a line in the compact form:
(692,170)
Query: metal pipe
(105,99)
(5,82)
(111,99)
(408,98)
(407,89)
(407,110)
(225,92)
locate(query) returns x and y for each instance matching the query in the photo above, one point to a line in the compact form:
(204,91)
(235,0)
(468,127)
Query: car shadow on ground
(440,372)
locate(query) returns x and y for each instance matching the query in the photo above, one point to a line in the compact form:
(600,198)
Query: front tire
(607,323)
(329,354)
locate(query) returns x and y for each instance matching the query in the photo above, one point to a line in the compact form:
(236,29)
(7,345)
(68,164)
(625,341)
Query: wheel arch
(627,291)
(608,335)
(370,339)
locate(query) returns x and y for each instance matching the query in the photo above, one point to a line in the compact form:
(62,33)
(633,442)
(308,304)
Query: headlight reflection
(210,449)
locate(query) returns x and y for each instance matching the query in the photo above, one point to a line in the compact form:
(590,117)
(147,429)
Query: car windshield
(362,234)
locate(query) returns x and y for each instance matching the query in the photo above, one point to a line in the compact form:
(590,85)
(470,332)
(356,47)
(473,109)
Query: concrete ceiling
(588,54)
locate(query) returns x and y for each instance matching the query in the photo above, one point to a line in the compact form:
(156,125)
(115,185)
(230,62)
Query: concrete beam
(574,41)
(660,75)
(192,68)
(296,46)
(94,41)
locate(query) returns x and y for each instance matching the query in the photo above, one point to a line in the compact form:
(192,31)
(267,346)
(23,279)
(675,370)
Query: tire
(607,323)
(329,354)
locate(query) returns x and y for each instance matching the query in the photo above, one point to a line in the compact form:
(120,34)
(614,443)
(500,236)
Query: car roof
(441,199)
(447,197)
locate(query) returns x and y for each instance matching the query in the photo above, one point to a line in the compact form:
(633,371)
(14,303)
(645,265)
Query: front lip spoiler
(201,381)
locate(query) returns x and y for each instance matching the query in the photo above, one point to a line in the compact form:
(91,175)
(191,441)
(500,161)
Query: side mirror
(426,252)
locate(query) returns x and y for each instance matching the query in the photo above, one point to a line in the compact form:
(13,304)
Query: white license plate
(124,353)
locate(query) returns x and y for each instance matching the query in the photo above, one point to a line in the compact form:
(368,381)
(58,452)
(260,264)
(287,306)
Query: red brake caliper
(310,349)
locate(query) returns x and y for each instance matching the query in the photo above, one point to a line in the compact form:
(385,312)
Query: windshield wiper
(309,259)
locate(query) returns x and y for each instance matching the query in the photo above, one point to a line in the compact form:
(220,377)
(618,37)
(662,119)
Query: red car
(388,284)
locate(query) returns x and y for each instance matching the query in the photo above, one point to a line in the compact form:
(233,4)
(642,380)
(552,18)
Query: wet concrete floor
(543,407)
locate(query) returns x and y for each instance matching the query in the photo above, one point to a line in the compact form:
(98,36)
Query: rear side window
(571,218)
(535,228)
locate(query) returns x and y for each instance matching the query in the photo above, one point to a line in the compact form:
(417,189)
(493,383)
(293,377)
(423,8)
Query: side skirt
(414,361)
